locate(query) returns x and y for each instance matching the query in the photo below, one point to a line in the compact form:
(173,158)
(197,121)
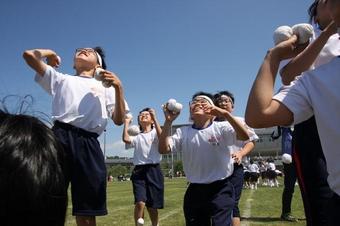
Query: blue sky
(160,49)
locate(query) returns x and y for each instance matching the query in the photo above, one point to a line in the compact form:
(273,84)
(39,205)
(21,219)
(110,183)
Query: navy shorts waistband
(67,126)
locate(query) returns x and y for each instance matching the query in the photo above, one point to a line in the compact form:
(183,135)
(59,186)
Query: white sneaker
(140,222)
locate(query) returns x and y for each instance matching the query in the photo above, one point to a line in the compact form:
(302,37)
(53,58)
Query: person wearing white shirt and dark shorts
(207,161)
(147,178)
(81,107)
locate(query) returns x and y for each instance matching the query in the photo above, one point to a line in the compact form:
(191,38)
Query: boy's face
(196,108)
(226,103)
(85,57)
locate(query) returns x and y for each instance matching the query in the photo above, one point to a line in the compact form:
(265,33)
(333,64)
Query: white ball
(282,33)
(97,74)
(303,31)
(178,107)
(173,101)
(133,130)
(140,221)
(171,104)
(287,158)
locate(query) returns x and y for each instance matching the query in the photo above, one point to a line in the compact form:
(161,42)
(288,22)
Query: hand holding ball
(173,106)
(303,31)
(98,75)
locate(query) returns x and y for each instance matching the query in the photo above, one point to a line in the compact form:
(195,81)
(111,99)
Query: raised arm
(240,129)
(125,136)
(119,110)
(262,111)
(164,144)
(34,58)
(306,58)
(156,123)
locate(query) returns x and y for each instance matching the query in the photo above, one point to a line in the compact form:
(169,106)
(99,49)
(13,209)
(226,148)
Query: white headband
(206,98)
(100,61)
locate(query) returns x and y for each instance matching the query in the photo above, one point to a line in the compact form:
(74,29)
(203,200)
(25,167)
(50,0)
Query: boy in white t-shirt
(147,178)
(81,106)
(207,162)
(225,100)
(315,92)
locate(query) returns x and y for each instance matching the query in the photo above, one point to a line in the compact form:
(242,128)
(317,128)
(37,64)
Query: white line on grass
(247,208)
(168,214)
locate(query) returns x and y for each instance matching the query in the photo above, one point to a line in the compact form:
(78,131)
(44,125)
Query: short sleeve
(50,79)
(228,132)
(111,102)
(175,140)
(295,98)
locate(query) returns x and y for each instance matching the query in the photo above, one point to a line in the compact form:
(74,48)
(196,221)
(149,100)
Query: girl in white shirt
(147,178)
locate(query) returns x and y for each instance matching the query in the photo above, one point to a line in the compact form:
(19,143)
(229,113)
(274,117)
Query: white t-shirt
(206,152)
(271,166)
(253,168)
(252,136)
(317,93)
(329,51)
(80,101)
(146,148)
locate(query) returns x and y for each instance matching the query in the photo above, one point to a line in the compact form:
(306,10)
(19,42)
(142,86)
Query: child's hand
(237,157)
(212,110)
(289,48)
(152,113)
(127,120)
(53,60)
(111,79)
(169,115)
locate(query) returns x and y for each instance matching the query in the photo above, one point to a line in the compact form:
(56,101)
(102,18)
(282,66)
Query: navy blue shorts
(237,180)
(148,185)
(86,169)
(311,170)
(209,204)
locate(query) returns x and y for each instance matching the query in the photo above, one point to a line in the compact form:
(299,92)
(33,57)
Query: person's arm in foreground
(262,111)
(306,58)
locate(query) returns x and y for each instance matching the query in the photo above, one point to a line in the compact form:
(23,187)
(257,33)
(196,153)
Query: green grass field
(258,207)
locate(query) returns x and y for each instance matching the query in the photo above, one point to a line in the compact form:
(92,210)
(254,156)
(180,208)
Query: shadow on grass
(266,219)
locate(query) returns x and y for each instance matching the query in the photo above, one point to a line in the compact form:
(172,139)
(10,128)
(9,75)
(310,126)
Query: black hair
(144,109)
(312,10)
(101,52)
(226,93)
(201,93)
(33,189)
